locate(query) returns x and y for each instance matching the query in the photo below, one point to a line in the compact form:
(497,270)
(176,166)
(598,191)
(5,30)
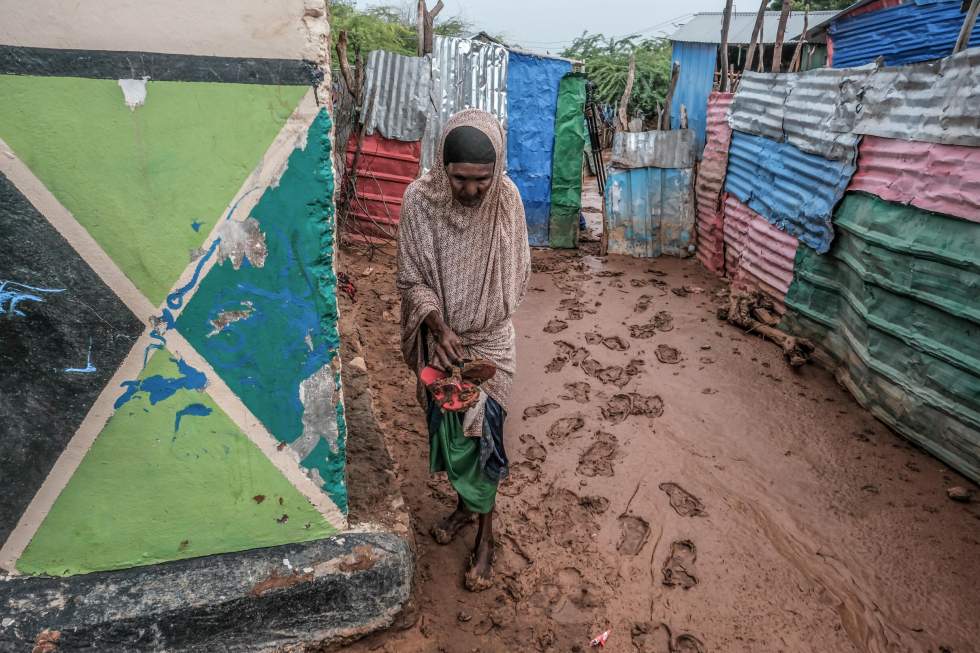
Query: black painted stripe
(108,64)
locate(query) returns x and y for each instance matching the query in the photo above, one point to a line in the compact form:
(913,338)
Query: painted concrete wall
(168,313)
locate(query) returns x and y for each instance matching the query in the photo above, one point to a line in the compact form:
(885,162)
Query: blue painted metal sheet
(793,190)
(532,87)
(694,83)
(908,33)
(650,211)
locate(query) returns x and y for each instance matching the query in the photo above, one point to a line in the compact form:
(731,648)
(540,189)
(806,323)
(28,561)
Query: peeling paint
(134,92)
(318,394)
(240,241)
(224,318)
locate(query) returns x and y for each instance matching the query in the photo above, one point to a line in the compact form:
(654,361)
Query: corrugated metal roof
(758,256)
(650,211)
(894,306)
(814,110)
(396,95)
(706,27)
(654,149)
(710,181)
(465,75)
(909,33)
(941,178)
(697,75)
(793,190)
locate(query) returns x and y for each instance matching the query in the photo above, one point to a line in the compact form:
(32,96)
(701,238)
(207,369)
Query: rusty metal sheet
(710,182)
(940,178)
(385,168)
(674,148)
(758,256)
(650,211)
(396,95)
(466,74)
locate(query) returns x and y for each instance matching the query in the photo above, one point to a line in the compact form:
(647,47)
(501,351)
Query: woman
(463,267)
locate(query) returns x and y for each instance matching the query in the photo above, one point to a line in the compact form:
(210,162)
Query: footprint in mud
(574,314)
(621,406)
(521,475)
(539,409)
(687,643)
(633,534)
(569,351)
(534,451)
(617,409)
(555,325)
(668,355)
(643,331)
(651,638)
(613,375)
(597,460)
(608,273)
(678,569)
(683,502)
(639,283)
(593,338)
(570,303)
(561,429)
(634,367)
(578,391)
(591,366)
(615,343)
(663,320)
(642,304)
(594,504)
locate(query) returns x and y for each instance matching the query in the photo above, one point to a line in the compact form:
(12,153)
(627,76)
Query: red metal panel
(758,255)
(385,168)
(710,181)
(931,176)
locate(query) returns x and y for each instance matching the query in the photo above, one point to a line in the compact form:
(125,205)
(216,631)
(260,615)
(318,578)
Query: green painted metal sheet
(566,176)
(894,305)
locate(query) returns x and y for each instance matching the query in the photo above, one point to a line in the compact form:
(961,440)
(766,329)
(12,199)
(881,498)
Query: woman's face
(470,182)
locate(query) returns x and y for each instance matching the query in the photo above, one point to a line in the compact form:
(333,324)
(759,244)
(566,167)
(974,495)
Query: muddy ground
(674,482)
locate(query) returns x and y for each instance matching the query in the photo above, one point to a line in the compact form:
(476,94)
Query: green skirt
(452,452)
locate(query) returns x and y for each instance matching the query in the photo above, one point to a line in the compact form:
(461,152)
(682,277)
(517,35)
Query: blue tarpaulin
(908,33)
(697,74)
(532,90)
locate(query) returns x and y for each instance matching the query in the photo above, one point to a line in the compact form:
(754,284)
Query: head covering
(471,264)
(466,144)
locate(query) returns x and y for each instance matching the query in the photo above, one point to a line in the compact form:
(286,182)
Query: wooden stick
(429,27)
(777,50)
(675,73)
(794,64)
(762,50)
(345,65)
(624,101)
(725,24)
(756,35)
(420,26)
(967,29)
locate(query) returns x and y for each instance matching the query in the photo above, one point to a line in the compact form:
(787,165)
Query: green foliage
(384,27)
(607,65)
(815,5)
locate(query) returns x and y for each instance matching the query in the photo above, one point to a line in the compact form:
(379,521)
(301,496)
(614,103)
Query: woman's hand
(449,348)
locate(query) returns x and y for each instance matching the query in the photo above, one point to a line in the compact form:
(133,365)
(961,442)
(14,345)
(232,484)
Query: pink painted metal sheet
(710,181)
(758,255)
(930,176)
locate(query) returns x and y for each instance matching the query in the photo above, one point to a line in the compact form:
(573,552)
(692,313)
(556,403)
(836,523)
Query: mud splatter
(598,459)
(678,569)
(539,409)
(683,502)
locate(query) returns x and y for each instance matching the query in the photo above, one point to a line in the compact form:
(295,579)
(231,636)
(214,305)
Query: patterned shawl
(470,264)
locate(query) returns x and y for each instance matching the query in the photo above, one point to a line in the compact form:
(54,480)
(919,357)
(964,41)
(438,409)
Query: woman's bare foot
(479,576)
(446,530)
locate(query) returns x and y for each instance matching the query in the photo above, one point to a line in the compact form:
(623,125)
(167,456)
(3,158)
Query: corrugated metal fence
(694,83)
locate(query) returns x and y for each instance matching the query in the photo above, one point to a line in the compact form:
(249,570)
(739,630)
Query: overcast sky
(550,25)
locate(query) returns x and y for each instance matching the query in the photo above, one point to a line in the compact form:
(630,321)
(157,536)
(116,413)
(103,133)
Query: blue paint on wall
(698,61)
(793,190)
(532,99)
(200,410)
(650,211)
(196,226)
(908,33)
(89,367)
(12,293)
(161,387)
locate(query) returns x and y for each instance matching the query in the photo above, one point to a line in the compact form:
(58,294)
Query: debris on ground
(959,493)
(756,313)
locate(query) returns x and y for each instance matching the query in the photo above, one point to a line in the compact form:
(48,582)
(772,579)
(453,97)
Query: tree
(815,5)
(607,64)
(384,27)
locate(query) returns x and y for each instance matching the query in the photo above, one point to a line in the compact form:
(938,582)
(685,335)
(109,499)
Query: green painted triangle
(141,180)
(148,492)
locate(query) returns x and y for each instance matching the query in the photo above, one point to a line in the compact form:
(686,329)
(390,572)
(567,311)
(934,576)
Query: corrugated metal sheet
(758,256)
(941,178)
(650,211)
(465,75)
(654,149)
(706,27)
(385,168)
(813,110)
(793,190)
(909,33)
(894,307)
(532,90)
(396,95)
(710,182)
(935,102)
(694,83)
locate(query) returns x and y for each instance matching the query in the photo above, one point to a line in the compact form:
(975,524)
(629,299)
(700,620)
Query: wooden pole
(624,101)
(420,26)
(967,29)
(675,73)
(756,35)
(428,25)
(345,66)
(777,49)
(794,64)
(723,53)
(762,50)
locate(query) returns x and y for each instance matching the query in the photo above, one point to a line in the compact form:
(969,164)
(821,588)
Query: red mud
(758,508)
